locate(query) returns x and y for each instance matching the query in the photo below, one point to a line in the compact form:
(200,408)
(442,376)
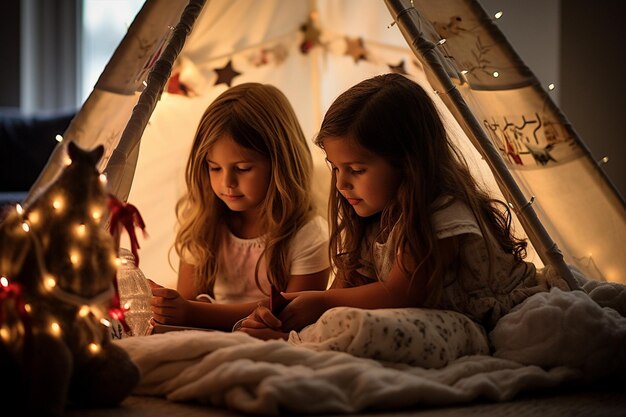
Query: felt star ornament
(226,74)
(355,48)
(398,69)
(311,34)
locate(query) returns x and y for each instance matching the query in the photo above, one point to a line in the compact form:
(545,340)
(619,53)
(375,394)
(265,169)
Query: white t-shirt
(453,220)
(235,283)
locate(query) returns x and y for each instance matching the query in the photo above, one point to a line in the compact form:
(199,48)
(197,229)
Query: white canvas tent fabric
(576,203)
(262,40)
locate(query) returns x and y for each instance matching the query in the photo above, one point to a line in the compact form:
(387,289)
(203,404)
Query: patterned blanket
(354,360)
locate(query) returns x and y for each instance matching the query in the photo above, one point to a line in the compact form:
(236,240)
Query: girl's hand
(262,324)
(304,309)
(168,307)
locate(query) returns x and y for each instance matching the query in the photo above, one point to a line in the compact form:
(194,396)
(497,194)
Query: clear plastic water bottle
(135,295)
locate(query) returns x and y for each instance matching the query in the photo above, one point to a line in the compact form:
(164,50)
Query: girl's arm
(315,281)
(171,308)
(186,278)
(262,324)
(180,308)
(397,291)
(176,308)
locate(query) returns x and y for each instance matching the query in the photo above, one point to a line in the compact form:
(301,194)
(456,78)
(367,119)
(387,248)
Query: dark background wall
(10,52)
(593,76)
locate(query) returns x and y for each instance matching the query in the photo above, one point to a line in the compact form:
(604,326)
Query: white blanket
(549,339)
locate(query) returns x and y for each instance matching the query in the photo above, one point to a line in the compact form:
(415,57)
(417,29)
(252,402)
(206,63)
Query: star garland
(226,74)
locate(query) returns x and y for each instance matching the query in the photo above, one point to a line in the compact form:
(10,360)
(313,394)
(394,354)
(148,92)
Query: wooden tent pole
(407,18)
(127,151)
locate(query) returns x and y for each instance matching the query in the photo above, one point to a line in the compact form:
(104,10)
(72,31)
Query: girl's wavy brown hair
(393,117)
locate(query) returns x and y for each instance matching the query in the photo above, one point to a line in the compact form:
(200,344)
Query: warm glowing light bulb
(81,230)
(96,214)
(34,217)
(4,281)
(28,308)
(57,203)
(55,329)
(84,311)
(50,282)
(59,138)
(551,86)
(103,178)
(94,348)
(19,209)
(496,74)
(498,14)
(74,258)
(25,227)
(5,334)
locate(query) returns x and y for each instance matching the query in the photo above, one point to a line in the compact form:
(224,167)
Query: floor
(598,401)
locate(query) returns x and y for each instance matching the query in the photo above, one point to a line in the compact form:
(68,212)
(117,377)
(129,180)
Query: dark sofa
(26,143)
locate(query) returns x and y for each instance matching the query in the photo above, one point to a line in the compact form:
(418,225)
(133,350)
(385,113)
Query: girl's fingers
(287,320)
(291,295)
(165,292)
(265,316)
(153,284)
(160,302)
(252,324)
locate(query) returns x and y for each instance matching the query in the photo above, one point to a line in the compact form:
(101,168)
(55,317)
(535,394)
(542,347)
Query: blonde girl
(410,227)
(247,221)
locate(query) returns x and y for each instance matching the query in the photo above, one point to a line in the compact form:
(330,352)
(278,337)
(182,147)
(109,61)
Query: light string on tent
(19,310)
(497,16)
(409,19)
(432,46)
(14,329)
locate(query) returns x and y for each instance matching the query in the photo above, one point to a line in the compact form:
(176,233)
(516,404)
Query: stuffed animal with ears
(57,296)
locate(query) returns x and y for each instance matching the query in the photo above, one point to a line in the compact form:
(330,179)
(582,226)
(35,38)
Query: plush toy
(57,296)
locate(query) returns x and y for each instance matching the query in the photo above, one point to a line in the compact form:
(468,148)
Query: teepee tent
(513,136)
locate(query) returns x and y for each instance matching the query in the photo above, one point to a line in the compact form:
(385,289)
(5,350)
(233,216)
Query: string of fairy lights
(496,73)
(91,312)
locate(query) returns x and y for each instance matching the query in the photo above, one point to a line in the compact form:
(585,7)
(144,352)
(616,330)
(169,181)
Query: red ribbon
(13,291)
(116,311)
(125,215)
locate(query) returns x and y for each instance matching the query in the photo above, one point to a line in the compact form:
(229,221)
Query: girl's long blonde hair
(258,117)
(394,118)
